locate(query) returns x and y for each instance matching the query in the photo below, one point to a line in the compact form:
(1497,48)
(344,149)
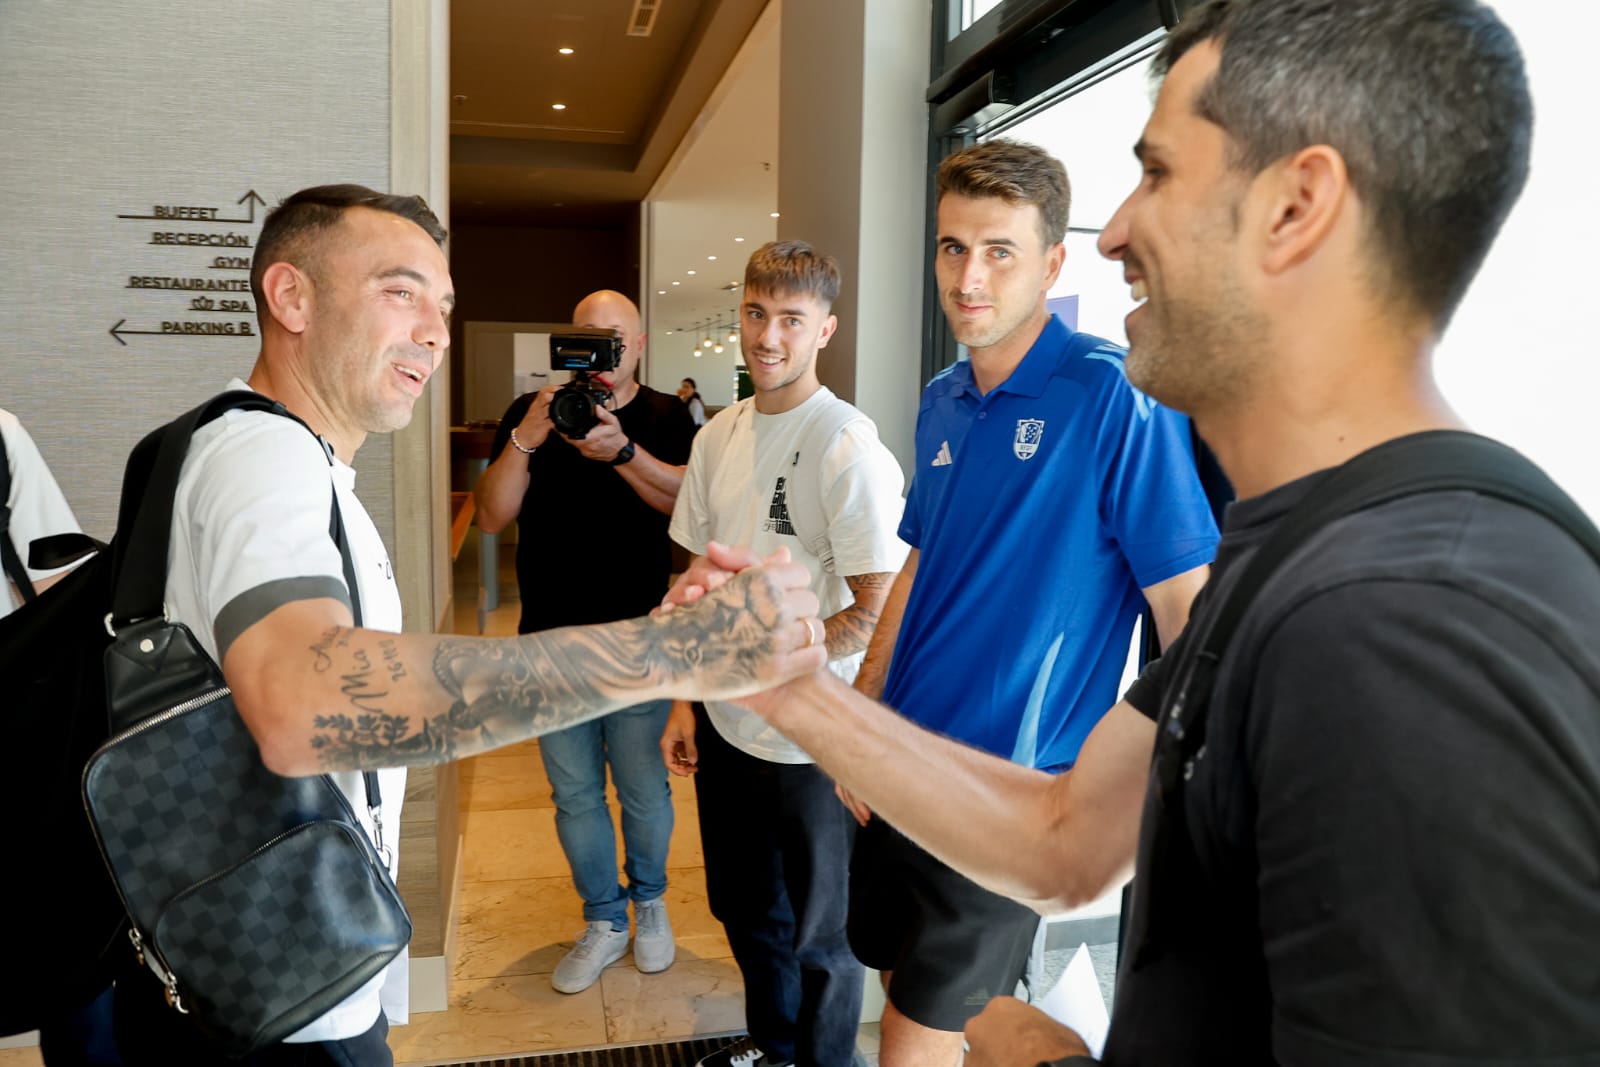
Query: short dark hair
(286,233)
(1426,100)
(784,267)
(1016,172)
(690,383)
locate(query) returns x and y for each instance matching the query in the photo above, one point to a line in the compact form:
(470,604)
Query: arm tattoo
(499,690)
(850,629)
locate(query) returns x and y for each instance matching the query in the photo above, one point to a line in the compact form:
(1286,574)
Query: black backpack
(64,919)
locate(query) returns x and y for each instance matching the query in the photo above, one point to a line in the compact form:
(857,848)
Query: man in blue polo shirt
(1051,501)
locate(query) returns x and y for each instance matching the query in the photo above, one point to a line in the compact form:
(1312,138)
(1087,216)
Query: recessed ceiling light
(563,107)
(688,272)
(669,334)
(564,51)
(774,214)
(713,258)
(677,283)
(738,238)
(663,292)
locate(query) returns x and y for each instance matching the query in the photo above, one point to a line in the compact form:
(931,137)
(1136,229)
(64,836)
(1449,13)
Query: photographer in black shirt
(592,546)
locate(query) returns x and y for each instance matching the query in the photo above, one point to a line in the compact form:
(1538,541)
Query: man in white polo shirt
(353,294)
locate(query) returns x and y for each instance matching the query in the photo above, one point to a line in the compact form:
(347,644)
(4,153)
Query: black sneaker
(742,1053)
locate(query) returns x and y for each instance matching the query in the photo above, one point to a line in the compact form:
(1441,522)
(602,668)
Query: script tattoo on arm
(850,629)
(482,693)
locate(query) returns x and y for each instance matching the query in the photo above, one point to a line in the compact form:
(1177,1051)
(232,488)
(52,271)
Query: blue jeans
(777,844)
(575,760)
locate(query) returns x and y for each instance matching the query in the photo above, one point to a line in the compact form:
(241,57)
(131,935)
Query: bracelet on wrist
(516,444)
(624,454)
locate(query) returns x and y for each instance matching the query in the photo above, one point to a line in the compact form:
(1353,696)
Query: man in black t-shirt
(592,546)
(1387,850)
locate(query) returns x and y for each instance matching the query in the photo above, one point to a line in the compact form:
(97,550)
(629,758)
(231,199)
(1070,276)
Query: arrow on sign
(251,199)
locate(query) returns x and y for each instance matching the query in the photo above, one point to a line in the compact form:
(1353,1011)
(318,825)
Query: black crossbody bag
(259,900)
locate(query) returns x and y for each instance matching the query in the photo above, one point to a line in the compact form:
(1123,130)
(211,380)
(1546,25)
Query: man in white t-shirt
(792,467)
(35,508)
(353,295)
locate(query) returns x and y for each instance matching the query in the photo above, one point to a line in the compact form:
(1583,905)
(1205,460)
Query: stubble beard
(975,335)
(1198,357)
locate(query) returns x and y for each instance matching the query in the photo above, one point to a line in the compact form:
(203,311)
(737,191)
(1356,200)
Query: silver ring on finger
(811,634)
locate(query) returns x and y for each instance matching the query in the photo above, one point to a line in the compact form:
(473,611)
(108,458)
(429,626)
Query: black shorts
(951,944)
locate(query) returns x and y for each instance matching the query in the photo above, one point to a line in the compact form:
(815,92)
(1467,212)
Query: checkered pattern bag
(258,900)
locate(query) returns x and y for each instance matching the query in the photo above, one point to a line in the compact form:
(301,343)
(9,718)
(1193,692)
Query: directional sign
(195,228)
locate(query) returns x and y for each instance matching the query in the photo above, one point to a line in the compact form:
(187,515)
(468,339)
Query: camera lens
(572,411)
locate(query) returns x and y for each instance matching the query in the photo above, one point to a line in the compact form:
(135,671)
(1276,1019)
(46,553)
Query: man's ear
(1307,194)
(828,326)
(287,291)
(1055,258)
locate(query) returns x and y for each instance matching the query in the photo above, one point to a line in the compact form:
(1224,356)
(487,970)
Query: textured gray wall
(108,109)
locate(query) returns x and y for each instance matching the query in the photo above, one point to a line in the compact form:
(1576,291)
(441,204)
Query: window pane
(975,10)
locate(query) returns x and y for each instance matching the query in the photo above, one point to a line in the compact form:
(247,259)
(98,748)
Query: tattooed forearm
(486,692)
(850,629)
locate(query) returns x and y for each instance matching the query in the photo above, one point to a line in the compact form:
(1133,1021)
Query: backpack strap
(9,559)
(149,490)
(1433,462)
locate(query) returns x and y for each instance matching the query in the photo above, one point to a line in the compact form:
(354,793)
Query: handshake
(741,625)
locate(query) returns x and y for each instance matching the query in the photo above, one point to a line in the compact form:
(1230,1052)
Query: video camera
(583,351)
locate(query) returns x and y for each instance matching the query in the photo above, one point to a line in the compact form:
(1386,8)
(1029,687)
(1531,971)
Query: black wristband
(624,454)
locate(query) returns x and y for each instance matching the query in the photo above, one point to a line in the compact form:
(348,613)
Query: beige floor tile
(21,1057)
(499,1017)
(502,845)
(522,926)
(691,997)
(685,850)
(501,783)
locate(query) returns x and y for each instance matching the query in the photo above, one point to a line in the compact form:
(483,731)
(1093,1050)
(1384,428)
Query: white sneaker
(653,947)
(598,948)
(742,1053)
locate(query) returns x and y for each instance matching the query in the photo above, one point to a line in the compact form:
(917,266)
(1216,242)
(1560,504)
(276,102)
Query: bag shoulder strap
(9,560)
(1432,462)
(149,488)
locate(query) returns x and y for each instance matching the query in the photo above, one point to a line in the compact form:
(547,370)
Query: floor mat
(670,1054)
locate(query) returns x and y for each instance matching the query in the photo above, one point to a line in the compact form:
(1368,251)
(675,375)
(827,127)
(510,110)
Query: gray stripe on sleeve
(253,605)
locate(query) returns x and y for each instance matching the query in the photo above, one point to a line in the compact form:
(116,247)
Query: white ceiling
(720,185)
